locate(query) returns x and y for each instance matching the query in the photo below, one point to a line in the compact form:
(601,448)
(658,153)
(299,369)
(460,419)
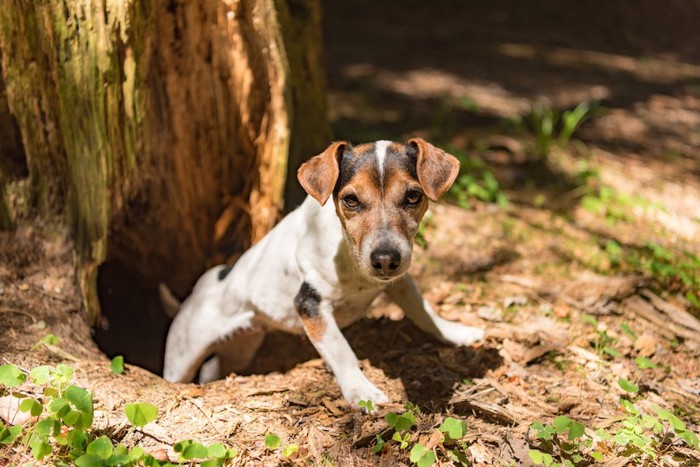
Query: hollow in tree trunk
(160,130)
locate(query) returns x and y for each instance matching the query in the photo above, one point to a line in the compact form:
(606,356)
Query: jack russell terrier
(321,267)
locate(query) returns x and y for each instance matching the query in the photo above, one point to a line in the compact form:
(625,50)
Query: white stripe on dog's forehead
(380,150)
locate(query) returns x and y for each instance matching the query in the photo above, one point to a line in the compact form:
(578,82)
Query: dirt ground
(539,275)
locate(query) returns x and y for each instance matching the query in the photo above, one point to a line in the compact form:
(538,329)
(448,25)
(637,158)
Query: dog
(322,266)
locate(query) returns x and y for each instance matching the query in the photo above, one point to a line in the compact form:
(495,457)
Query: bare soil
(532,274)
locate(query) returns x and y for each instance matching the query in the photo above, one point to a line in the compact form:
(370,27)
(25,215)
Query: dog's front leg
(323,332)
(406,295)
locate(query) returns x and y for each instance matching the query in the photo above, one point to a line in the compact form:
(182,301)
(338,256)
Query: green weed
(273,442)
(647,436)
(367,405)
(476,182)
(674,271)
(613,205)
(603,344)
(450,447)
(117,365)
(641,438)
(628,386)
(48,340)
(542,121)
(62,432)
(545,122)
(564,442)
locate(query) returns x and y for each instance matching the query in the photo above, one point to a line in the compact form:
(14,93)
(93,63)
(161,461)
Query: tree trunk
(310,131)
(160,129)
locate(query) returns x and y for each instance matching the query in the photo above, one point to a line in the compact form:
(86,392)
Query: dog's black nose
(385,260)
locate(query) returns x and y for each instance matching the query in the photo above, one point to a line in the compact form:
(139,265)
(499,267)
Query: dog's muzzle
(385,261)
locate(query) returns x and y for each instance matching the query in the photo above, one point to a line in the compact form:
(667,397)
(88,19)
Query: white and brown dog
(321,267)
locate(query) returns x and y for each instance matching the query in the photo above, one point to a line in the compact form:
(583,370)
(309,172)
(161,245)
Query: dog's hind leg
(406,295)
(233,355)
(197,330)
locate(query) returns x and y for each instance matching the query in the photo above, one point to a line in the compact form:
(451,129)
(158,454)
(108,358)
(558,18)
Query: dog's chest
(352,306)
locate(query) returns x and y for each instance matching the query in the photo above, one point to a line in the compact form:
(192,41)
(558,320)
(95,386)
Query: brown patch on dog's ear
(436,169)
(319,174)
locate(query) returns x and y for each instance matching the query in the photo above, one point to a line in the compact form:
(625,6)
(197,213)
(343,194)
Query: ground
(581,276)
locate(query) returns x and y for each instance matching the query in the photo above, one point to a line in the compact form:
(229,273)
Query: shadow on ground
(429,370)
(453,68)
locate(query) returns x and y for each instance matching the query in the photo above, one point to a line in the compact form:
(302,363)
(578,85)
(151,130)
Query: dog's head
(380,191)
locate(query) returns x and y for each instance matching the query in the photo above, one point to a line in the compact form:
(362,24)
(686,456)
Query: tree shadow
(391,71)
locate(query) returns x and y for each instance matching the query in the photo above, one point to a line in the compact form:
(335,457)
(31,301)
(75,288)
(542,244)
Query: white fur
(380,151)
(308,245)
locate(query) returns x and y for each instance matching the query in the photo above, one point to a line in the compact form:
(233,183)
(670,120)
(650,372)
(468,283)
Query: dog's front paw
(459,334)
(361,389)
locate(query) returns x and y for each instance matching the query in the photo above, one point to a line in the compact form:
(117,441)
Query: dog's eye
(413,197)
(351,201)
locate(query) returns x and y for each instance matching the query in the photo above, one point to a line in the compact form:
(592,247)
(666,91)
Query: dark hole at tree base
(133,323)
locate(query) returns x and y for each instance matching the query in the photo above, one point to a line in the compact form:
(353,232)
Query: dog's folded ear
(319,174)
(436,169)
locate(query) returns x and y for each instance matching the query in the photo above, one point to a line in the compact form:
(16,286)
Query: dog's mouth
(387,277)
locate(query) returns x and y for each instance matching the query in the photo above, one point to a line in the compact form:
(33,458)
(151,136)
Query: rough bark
(159,128)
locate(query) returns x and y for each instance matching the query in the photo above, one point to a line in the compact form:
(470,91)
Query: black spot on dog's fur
(351,163)
(224,271)
(404,160)
(307,301)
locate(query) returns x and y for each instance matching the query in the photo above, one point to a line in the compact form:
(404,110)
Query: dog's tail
(170,304)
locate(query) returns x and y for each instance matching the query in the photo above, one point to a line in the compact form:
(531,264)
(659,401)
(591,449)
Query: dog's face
(380,191)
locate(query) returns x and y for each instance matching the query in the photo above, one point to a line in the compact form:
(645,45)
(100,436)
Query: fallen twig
(665,326)
(18,312)
(488,410)
(678,315)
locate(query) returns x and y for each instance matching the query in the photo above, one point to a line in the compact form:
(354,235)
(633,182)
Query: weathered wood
(677,315)
(33,101)
(160,128)
(488,410)
(664,325)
